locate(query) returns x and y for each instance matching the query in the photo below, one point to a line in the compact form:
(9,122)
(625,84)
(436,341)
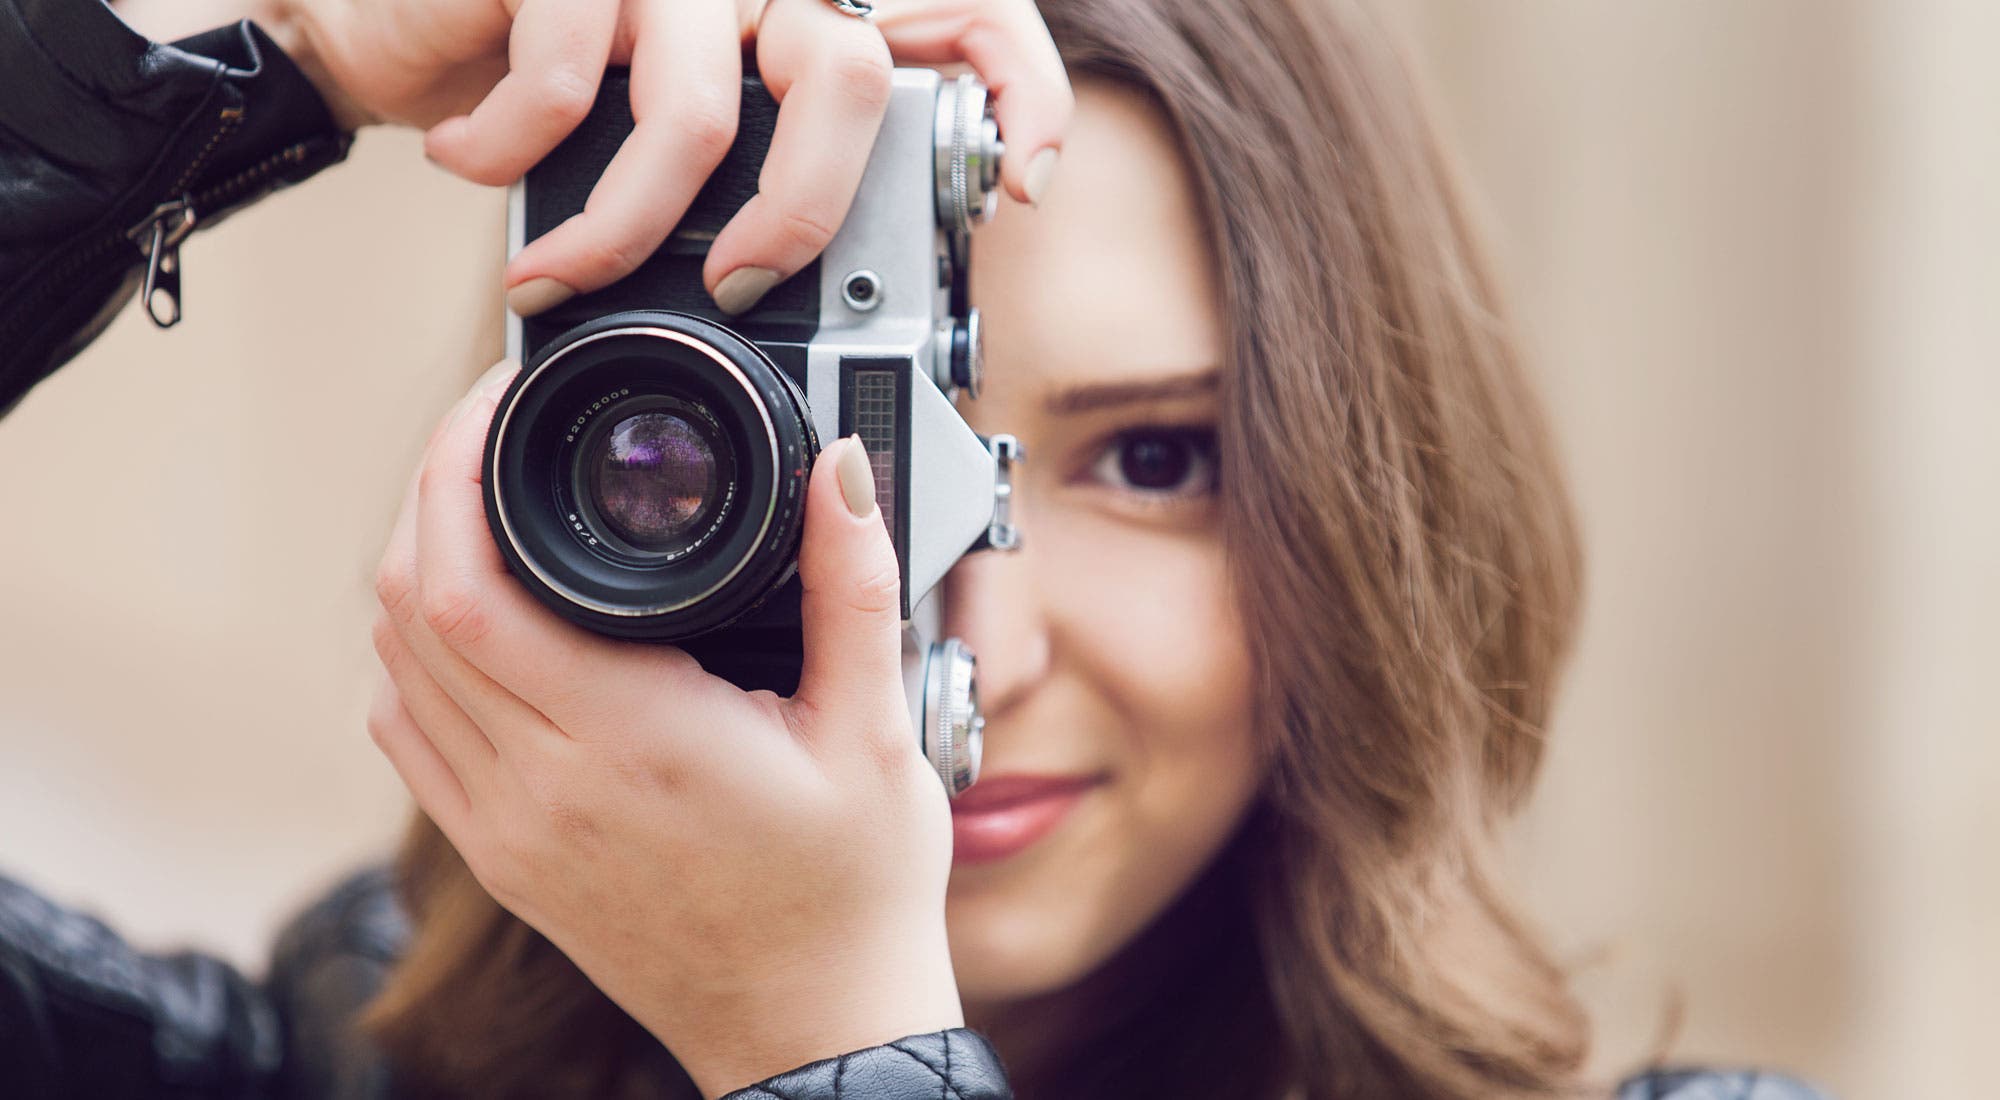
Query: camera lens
(646,475)
(653,480)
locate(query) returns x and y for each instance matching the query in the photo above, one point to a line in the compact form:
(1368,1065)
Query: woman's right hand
(498,85)
(758,881)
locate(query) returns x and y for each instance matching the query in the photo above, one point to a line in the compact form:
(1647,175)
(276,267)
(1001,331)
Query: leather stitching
(916,1057)
(947,1090)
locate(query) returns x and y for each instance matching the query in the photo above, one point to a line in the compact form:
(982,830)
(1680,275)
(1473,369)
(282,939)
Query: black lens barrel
(645,555)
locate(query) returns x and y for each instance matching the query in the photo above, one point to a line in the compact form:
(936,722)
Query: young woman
(1271,671)
(1272,668)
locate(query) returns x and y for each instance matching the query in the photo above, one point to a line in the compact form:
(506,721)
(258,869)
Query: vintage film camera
(645,475)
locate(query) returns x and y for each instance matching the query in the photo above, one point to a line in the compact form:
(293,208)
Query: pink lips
(1003,814)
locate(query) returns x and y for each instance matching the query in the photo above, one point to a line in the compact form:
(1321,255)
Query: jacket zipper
(158,236)
(171,223)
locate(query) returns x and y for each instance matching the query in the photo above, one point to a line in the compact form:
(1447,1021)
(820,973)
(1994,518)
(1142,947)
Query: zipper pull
(159,239)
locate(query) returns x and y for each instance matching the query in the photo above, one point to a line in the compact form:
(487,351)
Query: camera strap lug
(159,237)
(1007,452)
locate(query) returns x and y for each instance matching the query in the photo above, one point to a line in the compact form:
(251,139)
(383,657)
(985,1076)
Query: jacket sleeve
(943,1065)
(112,149)
(332,958)
(83,1014)
(328,963)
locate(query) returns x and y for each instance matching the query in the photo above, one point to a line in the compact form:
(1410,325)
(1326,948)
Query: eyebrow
(1085,398)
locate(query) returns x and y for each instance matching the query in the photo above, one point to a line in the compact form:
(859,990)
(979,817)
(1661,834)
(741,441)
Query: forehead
(1112,278)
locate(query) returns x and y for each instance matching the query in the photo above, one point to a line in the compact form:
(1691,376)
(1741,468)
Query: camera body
(645,475)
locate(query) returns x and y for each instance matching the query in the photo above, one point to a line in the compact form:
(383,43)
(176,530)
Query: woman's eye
(1159,461)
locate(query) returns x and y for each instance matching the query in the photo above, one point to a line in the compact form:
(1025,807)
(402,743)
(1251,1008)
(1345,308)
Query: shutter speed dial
(954,731)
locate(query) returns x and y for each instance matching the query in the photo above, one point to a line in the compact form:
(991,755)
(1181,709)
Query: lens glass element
(653,480)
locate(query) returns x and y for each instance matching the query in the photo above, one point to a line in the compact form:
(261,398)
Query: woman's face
(1112,662)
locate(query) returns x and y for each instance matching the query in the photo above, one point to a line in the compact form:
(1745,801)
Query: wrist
(288,24)
(292,27)
(835,1007)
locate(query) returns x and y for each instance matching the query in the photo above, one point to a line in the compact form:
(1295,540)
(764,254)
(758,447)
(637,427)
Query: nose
(990,601)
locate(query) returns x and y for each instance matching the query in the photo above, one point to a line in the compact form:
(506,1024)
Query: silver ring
(860,9)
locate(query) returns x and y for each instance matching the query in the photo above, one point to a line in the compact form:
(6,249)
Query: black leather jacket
(112,149)
(83,1015)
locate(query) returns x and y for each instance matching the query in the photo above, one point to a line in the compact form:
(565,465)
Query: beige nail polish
(741,288)
(538,295)
(1040,171)
(857,477)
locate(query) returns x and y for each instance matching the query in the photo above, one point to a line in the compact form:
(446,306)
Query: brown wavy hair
(1404,551)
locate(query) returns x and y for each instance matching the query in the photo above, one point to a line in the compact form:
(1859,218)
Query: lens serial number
(583,418)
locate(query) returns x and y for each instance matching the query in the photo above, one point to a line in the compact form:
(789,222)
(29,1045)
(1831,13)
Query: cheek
(1151,621)
(1145,628)
(1166,651)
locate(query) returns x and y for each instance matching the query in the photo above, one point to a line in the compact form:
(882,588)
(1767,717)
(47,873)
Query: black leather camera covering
(763,649)
(782,323)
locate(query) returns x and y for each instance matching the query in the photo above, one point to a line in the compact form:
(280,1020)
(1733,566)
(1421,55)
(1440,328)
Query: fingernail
(741,288)
(1040,171)
(457,414)
(496,377)
(857,477)
(489,385)
(538,295)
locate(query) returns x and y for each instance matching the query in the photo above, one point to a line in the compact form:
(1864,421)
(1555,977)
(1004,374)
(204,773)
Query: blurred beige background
(1755,246)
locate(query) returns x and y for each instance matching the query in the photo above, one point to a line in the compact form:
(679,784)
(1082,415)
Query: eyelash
(1196,446)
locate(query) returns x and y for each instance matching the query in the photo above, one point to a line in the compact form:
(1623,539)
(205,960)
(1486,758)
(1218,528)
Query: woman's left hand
(759,881)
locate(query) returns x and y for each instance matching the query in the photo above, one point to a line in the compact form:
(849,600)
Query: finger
(455,702)
(830,74)
(464,746)
(687,73)
(409,651)
(430,779)
(1008,44)
(498,375)
(852,602)
(508,662)
(449,485)
(557,51)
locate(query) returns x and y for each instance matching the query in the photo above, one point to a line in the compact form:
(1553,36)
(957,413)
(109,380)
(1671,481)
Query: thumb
(852,604)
